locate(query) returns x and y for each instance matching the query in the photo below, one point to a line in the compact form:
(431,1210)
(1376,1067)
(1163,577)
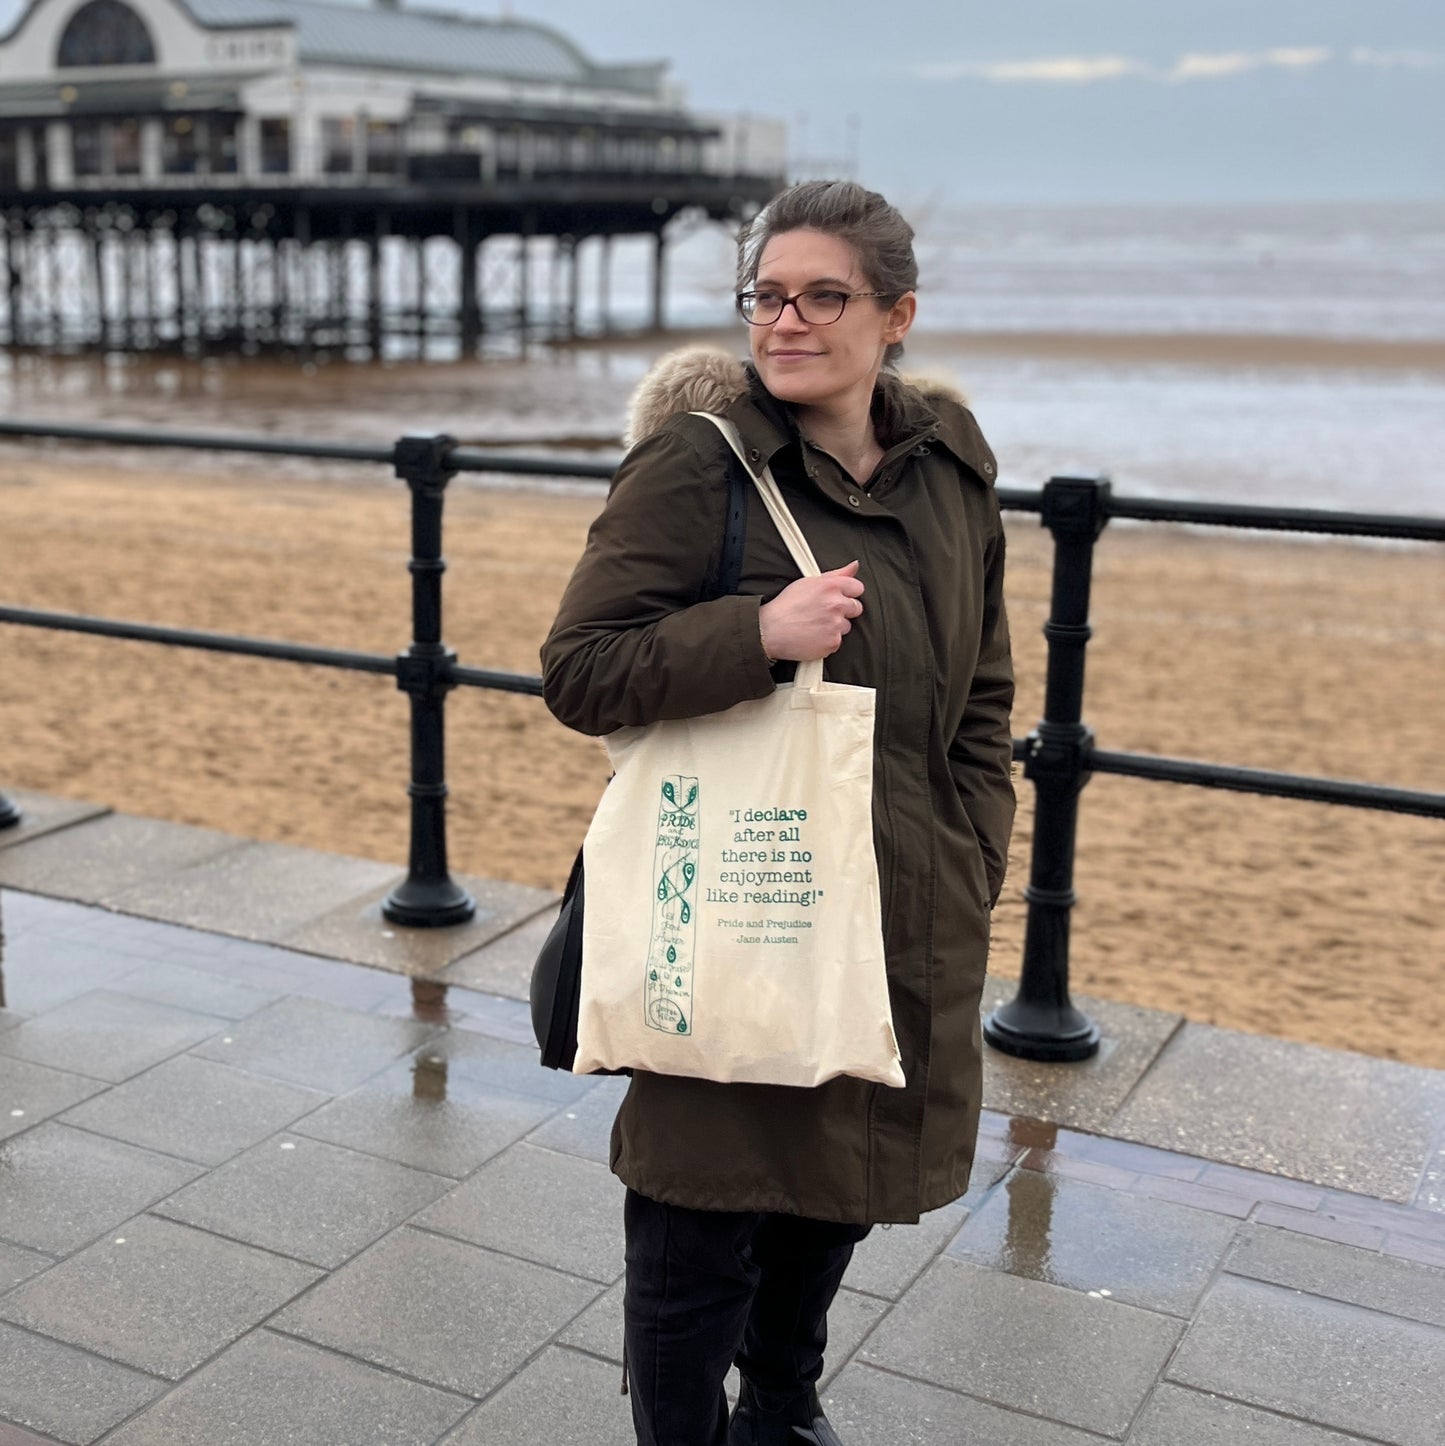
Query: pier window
(125,146)
(105,32)
(338,145)
(275,145)
(9,159)
(180,154)
(383,148)
(223,145)
(87,144)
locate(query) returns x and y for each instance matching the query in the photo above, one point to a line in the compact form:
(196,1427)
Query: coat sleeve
(981,752)
(636,638)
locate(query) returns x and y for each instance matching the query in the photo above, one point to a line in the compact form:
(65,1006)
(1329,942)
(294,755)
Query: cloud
(1066,69)
(1093,69)
(1199,66)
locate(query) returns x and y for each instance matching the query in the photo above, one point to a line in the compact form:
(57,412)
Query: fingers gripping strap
(767,486)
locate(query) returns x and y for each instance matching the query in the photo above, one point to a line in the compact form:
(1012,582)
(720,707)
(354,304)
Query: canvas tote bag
(733,928)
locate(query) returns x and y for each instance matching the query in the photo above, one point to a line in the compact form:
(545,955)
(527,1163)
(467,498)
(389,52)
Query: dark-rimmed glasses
(816,307)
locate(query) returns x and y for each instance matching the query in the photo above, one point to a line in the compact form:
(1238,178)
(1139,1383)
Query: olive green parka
(641,635)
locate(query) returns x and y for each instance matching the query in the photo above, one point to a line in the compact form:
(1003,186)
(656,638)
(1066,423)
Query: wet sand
(1315,923)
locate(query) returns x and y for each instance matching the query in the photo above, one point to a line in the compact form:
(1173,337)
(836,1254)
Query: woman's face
(833,366)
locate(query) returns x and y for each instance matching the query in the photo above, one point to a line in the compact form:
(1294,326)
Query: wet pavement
(251,1194)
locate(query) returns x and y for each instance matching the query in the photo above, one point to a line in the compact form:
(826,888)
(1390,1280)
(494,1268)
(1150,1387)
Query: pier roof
(439,41)
(426,39)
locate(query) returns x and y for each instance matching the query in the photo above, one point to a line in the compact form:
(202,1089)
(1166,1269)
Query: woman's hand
(810,617)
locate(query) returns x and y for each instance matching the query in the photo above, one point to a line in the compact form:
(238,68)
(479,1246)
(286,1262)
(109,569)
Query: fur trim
(693,379)
(705,379)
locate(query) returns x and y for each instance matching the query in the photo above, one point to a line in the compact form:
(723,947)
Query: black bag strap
(735,529)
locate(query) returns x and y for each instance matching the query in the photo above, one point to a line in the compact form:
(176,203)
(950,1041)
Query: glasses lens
(819,308)
(760,307)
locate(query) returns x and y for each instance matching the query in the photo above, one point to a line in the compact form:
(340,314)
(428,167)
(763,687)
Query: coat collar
(703,379)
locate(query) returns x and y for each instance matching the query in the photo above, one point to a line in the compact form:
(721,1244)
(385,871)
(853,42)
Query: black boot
(801,1425)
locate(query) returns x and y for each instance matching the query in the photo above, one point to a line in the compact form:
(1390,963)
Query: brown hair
(881,239)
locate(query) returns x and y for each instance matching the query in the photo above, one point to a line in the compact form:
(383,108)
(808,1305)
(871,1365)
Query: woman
(744,1202)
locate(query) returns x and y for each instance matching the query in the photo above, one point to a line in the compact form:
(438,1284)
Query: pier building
(248,174)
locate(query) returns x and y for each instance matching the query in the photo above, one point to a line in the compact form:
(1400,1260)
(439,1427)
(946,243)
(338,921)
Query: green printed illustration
(668,992)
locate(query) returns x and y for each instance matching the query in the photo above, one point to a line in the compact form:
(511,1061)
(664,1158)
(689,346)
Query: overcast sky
(1061,100)
(1067,100)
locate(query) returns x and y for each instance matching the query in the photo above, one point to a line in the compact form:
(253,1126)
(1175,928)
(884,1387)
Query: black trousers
(707,1288)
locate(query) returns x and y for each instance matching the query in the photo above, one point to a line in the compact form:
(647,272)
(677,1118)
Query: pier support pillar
(469,328)
(659,279)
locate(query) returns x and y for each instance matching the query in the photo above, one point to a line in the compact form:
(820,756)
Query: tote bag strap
(778,510)
(809,675)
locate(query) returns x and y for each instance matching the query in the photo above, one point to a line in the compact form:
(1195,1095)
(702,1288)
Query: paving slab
(439,1310)
(97,860)
(892,1257)
(1139,1251)
(1176,1417)
(269,1390)
(418,1114)
(9,1018)
(196,1109)
(504,966)
(1325,1362)
(1083,1095)
(44,813)
(194,989)
(259,891)
(1358,1277)
(889,1260)
(157,1296)
(562,1398)
(17,1265)
(502,1063)
(509,1019)
(871,1407)
(107,1035)
(14,1436)
(321,1046)
(42,970)
(515,1202)
(305,1199)
(60,1188)
(1320,1115)
(69,1395)
(30,1093)
(584,1127)
(966,1328)
(357,931)
(23,913)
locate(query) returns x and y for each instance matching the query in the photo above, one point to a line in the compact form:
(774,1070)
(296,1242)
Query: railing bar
(208,642)
(467,461)
(1278,519)
(1269,783)
(1139,509)
(526,683)
(201,441)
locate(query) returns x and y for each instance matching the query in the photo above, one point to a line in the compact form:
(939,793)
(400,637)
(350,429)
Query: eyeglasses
(815,308)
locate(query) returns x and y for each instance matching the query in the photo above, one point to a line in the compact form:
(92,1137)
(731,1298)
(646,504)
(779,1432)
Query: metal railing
(1058,757)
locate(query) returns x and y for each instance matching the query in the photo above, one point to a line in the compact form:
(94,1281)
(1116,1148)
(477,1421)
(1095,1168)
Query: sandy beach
(1315,923)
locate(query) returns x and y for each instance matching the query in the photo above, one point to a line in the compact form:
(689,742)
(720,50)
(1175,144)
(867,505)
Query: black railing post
(9,814)
(1041,1022)
(428,898)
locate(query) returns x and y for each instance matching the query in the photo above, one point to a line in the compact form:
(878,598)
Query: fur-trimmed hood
(707,379)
